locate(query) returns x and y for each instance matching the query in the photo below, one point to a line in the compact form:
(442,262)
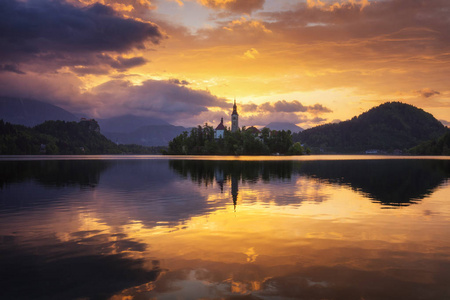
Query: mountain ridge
(387,127)
(284,126)
(30,112)
(125,129)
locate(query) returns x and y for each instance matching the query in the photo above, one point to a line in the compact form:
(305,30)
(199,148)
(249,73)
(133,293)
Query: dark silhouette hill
(284,126)
(61,137)
(439,146)
(30,113)
(390,126)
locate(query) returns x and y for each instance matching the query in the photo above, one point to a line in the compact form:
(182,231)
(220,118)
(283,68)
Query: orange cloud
(244,24)
(239,6)
(332,6)
(252,53)
(346,55)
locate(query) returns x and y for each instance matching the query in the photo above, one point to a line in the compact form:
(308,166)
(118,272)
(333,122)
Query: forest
(201,141)
(439,146)
(390,127)
(61,137)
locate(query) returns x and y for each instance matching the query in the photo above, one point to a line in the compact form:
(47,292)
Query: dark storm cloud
(44,30)
(122,63)
(292,107)
(10,68)
(318,109)
(178,81)
(165,99)
(427,93)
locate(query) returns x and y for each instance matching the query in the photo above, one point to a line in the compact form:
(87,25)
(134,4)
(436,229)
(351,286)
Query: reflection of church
(234,189)
(220,179)
(220,129)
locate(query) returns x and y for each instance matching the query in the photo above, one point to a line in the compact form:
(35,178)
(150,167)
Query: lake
(161,227)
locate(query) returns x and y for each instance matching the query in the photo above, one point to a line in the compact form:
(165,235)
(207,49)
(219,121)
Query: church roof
(220,126)
(253,130)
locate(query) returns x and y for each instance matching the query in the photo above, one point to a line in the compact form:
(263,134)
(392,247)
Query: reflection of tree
(53,172)
(207,171)
(390,182)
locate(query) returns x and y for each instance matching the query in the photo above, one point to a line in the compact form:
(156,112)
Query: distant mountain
(390,126)
(126,129)
(152,135)
(284,126)
(31,112)
(128,123)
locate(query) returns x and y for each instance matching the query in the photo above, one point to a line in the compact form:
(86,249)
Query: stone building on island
(220,129)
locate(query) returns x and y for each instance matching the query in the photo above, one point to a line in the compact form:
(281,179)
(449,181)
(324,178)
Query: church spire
(234,108)
(234,118)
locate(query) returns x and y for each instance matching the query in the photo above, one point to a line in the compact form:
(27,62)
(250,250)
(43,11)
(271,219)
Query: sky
(185,61)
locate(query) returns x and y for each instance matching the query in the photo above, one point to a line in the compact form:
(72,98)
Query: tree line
(61,137)
(439,146)
(201,141)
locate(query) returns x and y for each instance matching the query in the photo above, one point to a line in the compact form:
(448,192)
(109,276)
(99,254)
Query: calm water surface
(338,227)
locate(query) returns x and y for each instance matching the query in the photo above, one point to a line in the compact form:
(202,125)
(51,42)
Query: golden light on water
(240,232)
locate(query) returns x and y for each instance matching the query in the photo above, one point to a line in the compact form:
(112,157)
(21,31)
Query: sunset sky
(185,61)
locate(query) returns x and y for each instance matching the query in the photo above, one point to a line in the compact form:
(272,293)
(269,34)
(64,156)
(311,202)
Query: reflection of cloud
(210,256)
(92,265)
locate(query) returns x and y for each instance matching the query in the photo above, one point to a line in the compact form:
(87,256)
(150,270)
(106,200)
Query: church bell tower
(234,118)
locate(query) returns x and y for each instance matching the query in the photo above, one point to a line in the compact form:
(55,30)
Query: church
(220,129)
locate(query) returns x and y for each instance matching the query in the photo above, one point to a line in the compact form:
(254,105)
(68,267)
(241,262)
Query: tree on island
(201,141)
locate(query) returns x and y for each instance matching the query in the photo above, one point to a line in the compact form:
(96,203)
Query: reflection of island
(205,172)
(389,182)
(85,173)
(30,185)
